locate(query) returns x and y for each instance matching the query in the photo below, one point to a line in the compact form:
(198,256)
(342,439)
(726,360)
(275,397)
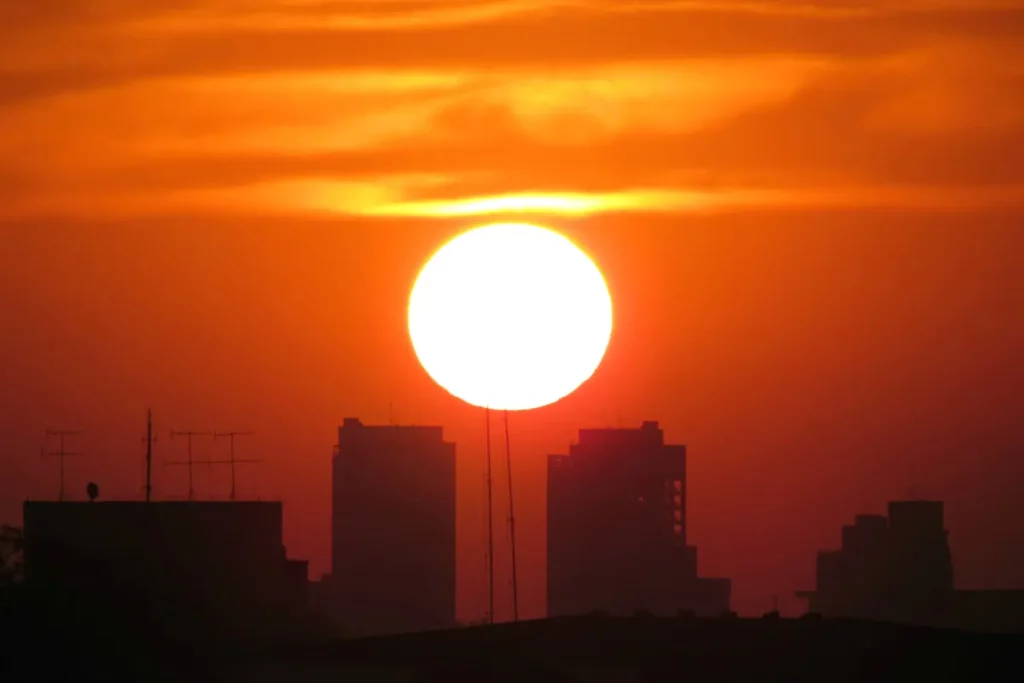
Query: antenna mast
(149,454)
(61,453)
(490,524)
(189,462)
(511,525)
(232,461)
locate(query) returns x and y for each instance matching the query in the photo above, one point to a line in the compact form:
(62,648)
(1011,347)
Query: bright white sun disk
(510,316)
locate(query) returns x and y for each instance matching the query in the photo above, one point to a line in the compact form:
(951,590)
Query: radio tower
(511,525)
(61,453)
(231,461)
(490,525)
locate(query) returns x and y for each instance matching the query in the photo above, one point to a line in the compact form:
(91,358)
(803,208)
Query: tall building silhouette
(899,568)
(393,529)
(617,528)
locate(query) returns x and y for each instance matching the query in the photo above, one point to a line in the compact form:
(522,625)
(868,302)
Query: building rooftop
(649,432)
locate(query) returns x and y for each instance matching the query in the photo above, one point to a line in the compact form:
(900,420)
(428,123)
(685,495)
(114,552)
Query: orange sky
(810,216)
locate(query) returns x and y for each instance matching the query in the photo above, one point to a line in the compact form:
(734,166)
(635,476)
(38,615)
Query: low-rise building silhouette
(617,529)
(393,529)
(187,564)
(899,568)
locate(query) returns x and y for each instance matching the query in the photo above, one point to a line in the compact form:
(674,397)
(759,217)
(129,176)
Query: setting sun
(510,316)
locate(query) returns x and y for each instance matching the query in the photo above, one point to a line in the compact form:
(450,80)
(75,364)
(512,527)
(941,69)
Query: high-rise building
(617,528)
(393,529)
(899,568)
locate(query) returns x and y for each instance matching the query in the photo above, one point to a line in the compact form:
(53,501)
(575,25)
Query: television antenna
(231,460)
(189,462)
(61,453)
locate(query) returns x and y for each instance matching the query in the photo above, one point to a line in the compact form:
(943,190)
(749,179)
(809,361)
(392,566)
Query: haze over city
(808,217)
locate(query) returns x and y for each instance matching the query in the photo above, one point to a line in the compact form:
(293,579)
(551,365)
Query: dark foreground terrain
(45,645)
(610,650)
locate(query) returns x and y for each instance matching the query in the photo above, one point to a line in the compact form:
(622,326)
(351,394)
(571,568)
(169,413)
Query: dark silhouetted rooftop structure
(393,530)
(189,565)
(617,529)
(899,568)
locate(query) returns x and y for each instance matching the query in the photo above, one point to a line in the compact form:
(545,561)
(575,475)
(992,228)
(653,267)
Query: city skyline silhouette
(895,418)
(630,460)
(807,217)
(218,575)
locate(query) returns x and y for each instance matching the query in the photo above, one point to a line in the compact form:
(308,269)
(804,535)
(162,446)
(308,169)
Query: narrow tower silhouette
(490,524)
(149,454)
(511,524)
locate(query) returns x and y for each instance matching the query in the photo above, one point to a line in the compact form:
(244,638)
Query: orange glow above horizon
(809,213)
(510,316)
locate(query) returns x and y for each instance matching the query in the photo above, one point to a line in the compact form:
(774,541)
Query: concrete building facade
(617,528)
(899,568)
(393,529)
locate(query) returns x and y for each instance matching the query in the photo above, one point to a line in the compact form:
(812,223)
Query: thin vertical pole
(190,461)
(60,496)
(149,455)
(62,454)
(231,446)
(490,524)
(191,489)
(232,460)
(512,525)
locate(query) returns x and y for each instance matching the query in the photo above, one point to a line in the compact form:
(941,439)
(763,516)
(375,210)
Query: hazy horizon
(809,216)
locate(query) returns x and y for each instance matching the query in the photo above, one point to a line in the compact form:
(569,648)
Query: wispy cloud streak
(424,107)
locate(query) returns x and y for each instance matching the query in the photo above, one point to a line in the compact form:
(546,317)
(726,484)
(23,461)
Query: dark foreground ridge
(585,649)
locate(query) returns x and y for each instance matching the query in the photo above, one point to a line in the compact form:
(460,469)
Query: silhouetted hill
(652,649)
(590,649)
